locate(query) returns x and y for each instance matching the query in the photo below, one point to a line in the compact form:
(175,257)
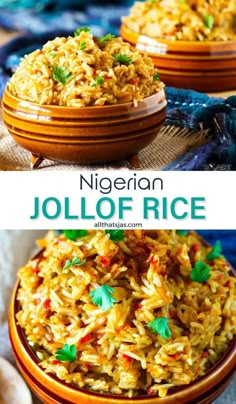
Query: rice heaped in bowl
(127,313)
(85,71)
(186,20)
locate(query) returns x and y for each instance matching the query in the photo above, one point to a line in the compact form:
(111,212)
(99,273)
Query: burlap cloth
(170,143)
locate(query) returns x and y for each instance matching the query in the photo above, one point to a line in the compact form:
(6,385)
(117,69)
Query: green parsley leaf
(153,1)
(102,297)
(208,21)
(156,77)
(201,272)
(98,81)
(52,53)
(181,1)
(106,37)
(116,235)
(160,325)
(215,251)
(182,232)
(123,59)
(67,353)
(74,262)
(81,29)
(61,74)
(74,234)
(82,45)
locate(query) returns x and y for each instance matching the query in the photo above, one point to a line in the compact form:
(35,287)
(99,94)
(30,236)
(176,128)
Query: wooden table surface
(6,35)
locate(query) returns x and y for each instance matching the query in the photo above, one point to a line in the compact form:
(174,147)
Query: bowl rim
(112,107)
(181,42)
(228,355)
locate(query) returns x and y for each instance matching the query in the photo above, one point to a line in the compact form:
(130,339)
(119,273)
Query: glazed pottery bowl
(204,66)
(51,390)
(83,135)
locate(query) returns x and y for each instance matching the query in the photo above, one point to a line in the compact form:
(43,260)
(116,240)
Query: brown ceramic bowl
(51,390)
(204,66)
(83,135)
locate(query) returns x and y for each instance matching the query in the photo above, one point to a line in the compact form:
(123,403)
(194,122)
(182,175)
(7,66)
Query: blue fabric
(227,239)
(193,110)
(106,17)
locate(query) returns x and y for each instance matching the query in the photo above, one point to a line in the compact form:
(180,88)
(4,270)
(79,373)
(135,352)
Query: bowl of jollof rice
(193,42)
(84,99)
(125,317)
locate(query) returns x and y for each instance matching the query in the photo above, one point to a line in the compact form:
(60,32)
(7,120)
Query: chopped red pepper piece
(133,81)
(36,271)
(85,339)
(174,356)
(227,284)
(55,362)
(127,358)
(107,77)
(137,305)
(204,354)
(47,304)
(105,261)
(195,248)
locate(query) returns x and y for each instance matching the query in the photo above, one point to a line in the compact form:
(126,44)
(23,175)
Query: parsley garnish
(98,81)
(153,1)
(182,232)
(74,262)
(116,235)
(105,38)
(52,53)
(67,353)
(102,297)
(74,234)
(208,21)
(156,77)
(123,59)
(82,45)
(201,272)
(160,325)
(215,251)
(82,29)
(61,74)
(181,1)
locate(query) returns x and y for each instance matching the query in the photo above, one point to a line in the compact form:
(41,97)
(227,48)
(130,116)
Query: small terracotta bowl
(204,66)
(51,390)
(83,135)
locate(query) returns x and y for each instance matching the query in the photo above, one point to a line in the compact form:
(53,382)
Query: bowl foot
(35,161)
(134,162)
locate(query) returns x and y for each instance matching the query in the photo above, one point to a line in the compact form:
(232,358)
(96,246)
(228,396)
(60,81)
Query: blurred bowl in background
(205,66)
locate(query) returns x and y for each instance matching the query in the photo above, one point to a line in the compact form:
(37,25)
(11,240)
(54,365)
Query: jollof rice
(149,274)
(188,20)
